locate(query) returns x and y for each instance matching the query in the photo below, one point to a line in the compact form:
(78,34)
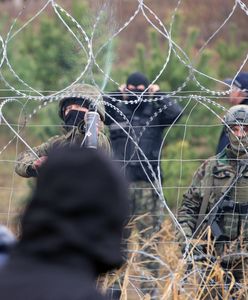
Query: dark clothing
(27,279)
(144,122)
(71,230)
(147,134)
(224,140)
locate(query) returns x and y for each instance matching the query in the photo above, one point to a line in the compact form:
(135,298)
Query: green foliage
(177,173)
(151,60)
(49,123)
(231,53)
(48,58)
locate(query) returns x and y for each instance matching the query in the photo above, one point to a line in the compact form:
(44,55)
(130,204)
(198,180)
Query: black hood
(138,78)
(77,211)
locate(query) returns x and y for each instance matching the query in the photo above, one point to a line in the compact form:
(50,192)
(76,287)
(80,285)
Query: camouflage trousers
(147,215)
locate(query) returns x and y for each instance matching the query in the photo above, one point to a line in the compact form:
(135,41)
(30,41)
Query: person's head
(136,84)
(236,126)
(76,102)
(77,211)
(239,90)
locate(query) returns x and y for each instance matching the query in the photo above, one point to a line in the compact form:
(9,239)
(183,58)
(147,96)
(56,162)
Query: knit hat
(138,78)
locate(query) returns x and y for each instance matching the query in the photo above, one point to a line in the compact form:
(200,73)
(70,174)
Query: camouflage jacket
(25,160)
(215,174)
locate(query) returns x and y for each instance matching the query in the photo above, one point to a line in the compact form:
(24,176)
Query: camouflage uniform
(146,203)
(25,160)
(84,93)
(148,213)
(215,174)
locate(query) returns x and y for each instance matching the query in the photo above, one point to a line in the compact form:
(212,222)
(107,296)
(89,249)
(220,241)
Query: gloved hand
(39,162)
(32,169)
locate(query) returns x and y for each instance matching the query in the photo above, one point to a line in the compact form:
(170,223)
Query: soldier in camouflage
(72,109)
(222,181)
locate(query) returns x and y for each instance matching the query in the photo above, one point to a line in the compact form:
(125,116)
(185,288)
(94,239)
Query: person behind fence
(147,112)
(238,95)
(73,108)
(71,230)
(218,198)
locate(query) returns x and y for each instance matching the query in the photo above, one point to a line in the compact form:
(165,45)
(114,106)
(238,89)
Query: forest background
(45,56)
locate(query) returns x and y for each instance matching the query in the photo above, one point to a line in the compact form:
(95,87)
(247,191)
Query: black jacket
(71,230)
(147,133)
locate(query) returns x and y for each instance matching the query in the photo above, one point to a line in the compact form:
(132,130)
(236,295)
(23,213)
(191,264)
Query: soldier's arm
(192,199)
(26,159)
(104,143)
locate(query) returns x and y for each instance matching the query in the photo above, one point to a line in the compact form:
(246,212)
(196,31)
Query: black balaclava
(77,212)
(137,79)
(74,117)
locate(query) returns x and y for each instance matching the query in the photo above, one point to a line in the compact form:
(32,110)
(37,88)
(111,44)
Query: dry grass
(194,278)
(178,279)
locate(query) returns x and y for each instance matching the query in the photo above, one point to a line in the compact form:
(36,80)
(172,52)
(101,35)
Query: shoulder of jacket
(54,138)
(206,167)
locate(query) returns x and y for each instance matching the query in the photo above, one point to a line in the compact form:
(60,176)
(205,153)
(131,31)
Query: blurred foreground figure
(7,242)
(71,230)
(218,198)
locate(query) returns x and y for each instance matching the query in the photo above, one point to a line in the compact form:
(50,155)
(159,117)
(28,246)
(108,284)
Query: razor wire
(86,42)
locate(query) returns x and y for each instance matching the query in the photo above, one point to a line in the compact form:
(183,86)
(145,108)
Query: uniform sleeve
(192,200)
(172,111)
(104,143)
(25,160)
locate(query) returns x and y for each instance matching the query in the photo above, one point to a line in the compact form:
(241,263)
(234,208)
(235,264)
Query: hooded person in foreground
(71,229)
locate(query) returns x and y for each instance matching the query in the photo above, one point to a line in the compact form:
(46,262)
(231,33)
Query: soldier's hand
(39,162)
